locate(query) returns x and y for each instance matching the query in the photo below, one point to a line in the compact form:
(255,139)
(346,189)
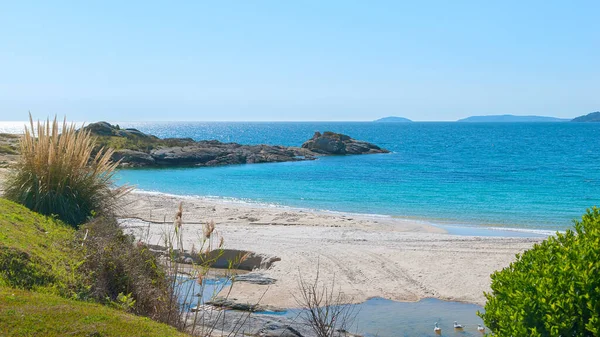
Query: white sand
(368,256)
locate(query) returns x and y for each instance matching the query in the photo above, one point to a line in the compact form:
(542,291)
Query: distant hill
(510,119)
(591,117)
(393,119)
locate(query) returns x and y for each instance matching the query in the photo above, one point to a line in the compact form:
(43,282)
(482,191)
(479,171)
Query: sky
(297,60)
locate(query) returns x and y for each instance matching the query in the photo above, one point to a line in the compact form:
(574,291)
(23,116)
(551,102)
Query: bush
(552,289)
(126,274)
(57,174)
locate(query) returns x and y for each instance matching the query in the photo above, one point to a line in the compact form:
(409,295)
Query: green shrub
(124,273)
(552,289)
(57,174)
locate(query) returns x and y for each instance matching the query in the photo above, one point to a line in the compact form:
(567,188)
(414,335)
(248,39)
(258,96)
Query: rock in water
(332,143)
(136,149)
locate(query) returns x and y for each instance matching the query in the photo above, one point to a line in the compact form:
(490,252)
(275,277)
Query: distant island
(510,119)
(589,118)
(393,119)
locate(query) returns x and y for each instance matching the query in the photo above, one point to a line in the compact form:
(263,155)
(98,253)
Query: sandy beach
(368,256)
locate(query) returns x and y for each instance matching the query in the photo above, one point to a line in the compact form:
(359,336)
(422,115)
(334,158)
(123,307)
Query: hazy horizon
(60,118)
(309,61)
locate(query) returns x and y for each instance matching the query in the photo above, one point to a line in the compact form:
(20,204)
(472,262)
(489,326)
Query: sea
(519,176)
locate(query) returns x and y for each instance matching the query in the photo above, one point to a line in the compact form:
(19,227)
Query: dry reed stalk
(59,174)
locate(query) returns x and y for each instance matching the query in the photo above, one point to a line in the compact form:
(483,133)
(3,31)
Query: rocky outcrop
(134,148)
(106,129)
(215,153)
(331,143)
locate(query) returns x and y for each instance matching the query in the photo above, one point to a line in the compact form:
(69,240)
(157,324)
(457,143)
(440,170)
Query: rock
(242,260)
(137,149)
(275,329)
(255,278)
(230,303)
(101,129)
(331,143)
(133,158)
(108,130)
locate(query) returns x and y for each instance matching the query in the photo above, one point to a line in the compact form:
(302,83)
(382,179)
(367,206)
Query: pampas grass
(58,174)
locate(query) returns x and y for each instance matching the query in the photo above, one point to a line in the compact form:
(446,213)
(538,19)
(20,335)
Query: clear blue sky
(297,60)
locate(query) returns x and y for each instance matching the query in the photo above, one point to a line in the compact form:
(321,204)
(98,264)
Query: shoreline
(446,226)
(396,259)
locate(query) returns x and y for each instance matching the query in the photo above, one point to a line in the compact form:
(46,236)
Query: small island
(134,148)
(511,119)
(393,119)
(593,117)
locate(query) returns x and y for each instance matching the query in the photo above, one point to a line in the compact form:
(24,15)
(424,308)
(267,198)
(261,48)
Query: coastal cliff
(137,149)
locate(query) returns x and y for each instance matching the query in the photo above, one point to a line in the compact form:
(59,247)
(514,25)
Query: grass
(37,252)
(8,149)
(58,173)
(25,313)
(9,144)
(48,265)
(137,143)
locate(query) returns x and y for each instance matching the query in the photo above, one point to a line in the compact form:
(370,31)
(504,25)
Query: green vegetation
(113,137)
(97,263)
(9,144)
(37,252)
(552,289)
(8,149)
(68,180)
(57,174)
(123,273)
(24,313)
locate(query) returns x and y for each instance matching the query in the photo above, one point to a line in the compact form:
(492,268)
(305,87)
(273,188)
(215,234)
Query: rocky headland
(136,149)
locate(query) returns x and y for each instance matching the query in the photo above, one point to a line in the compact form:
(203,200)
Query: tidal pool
(385,318)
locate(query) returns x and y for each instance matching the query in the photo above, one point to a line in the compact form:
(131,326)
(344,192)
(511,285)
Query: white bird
(480,328)
(458,326)
(437,329)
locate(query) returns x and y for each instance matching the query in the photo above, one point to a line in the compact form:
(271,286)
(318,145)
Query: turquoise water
(538,175)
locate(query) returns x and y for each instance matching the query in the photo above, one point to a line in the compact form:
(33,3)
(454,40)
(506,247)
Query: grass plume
(59,174)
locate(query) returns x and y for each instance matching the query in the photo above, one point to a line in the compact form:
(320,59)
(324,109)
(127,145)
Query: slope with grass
(44,267)
(25,313)
(37,252)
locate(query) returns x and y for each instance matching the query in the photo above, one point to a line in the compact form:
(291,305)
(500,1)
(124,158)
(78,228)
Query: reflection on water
(188,290)
(375,317)
(384,318)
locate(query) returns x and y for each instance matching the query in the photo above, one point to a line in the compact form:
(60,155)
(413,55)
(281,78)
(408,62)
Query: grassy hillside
(41,275)
(25,313)
(37,252)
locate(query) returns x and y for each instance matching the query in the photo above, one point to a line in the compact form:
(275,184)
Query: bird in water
(480,328)
(437,329)
(458,326)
